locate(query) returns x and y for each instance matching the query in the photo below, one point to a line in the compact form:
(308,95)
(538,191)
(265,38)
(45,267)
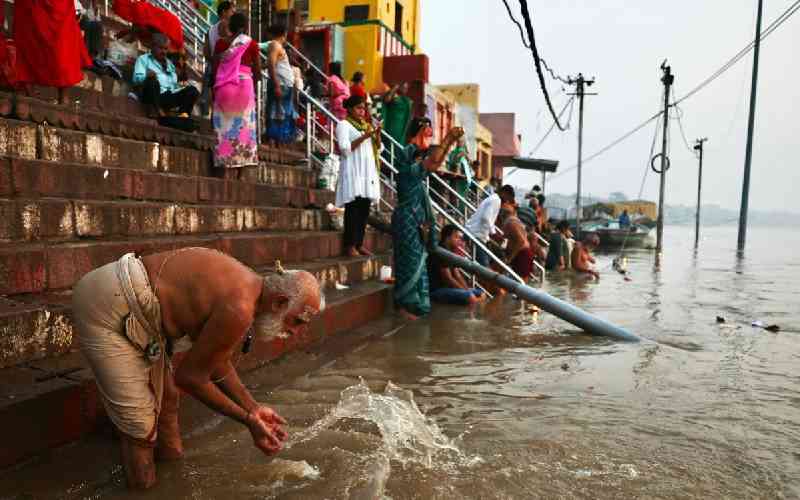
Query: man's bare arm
(211,354)
(447,276)
(232,386)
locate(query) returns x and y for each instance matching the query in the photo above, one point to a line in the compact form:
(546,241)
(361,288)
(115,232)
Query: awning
(535,164)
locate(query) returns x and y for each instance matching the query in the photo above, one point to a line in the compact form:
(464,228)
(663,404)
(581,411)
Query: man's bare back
(582,260)
(191,283)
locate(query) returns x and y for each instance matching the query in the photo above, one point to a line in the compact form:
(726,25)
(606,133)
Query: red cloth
(50,48)
(141,13)
(358,90)
(523,263)
(249,57)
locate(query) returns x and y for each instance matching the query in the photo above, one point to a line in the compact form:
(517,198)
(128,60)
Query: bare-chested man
(518,250)
(129,314)
(582,260)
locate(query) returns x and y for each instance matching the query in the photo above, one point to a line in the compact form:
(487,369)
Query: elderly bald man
(130,314)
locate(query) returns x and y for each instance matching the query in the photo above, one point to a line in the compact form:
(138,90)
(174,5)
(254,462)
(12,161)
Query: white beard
(269,327)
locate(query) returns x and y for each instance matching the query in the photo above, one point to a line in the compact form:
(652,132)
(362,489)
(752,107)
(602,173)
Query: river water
(504,403)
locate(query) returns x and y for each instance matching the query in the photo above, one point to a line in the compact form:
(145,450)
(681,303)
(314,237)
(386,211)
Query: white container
(385,273)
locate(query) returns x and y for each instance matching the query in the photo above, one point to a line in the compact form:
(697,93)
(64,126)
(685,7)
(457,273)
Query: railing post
(309,128)
(330,136)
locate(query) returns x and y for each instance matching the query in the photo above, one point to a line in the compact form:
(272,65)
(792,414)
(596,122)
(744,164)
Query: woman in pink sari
(238,69)
(338,91)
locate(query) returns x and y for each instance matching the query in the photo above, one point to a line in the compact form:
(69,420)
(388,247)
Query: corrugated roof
(505,141)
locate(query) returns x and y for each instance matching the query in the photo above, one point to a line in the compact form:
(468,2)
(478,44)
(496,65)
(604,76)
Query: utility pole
(667,79)
(698,146)
(748,155)
(580,90)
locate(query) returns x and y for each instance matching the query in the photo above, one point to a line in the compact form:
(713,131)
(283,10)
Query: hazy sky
(622,44)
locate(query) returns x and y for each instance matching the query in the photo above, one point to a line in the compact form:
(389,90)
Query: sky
(622,44)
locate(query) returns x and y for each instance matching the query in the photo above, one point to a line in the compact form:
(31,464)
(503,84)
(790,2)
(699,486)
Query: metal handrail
(435,205)
(306,59)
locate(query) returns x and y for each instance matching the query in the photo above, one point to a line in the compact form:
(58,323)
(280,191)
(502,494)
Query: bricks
(22,220)
(17,139)
(31,332)
(22,269)
(109,219)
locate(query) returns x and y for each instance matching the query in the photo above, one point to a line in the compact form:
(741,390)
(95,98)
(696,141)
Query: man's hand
(278,92)
(265,427)
(378,131)
(151,75)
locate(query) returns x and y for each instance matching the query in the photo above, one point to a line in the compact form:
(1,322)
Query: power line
(527,45)
(570,103)
(600,152)
(731,62)
(679,118)
(529,29)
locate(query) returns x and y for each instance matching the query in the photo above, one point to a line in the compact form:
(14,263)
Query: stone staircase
(82,185)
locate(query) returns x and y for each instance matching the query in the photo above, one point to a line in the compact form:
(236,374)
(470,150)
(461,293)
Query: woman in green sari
(413,216)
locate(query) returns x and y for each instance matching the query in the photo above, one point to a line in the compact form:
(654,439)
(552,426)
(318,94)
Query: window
(398,19)
(356,13)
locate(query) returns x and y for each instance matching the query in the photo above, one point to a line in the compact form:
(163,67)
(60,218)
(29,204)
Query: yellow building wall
(361,54)
(332,11)
(468,94)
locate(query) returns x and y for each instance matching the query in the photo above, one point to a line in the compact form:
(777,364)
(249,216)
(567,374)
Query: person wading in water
(129,313)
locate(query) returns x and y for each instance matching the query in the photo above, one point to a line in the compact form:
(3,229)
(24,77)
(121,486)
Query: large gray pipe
(554,306)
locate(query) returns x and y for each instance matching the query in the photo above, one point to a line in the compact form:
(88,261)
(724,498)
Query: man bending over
(129,313)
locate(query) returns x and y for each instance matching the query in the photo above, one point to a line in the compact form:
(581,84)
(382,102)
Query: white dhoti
(117,320)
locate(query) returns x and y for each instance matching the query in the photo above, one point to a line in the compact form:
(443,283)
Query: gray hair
(298,286)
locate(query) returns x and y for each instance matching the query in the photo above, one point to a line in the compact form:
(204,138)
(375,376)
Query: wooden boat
(612,235)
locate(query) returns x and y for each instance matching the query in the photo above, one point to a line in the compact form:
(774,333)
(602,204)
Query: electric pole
(698,146)
(748,155)
(580,90)
(667,79)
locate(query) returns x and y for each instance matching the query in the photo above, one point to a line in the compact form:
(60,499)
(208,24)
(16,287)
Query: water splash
(408,436)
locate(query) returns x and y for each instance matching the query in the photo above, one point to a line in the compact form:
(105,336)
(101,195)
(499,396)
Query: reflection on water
(704,410)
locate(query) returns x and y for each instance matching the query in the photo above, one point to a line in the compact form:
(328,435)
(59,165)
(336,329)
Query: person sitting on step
(447,283)
(158,77)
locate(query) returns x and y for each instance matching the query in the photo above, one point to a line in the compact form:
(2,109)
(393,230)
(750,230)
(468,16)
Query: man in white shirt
(482,222)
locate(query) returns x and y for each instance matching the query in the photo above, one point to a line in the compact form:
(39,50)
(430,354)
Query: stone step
(39,267)
(51,402)
(60,219)
(29,179)
(16,107)
(30,141)
(38,326)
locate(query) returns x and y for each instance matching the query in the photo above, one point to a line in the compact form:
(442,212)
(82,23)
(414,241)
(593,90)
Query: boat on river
(613,235)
